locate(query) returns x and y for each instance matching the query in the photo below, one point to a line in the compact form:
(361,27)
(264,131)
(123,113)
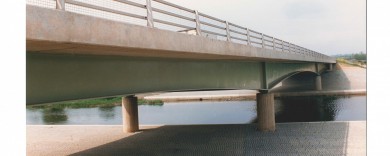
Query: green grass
(90,103)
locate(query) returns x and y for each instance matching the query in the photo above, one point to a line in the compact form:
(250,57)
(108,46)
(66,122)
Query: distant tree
(359,56)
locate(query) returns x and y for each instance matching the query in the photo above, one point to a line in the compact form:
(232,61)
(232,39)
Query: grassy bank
(102,102)
(343,61)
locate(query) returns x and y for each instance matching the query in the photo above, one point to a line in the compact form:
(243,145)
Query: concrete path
(317,138)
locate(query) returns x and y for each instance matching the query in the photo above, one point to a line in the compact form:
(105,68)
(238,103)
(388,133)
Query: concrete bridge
(79,50)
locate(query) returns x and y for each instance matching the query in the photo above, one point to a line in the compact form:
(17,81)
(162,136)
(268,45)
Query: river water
(287,109)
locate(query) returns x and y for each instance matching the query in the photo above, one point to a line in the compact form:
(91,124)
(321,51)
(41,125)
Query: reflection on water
(107,112)
(54,116)
(287,109)
(305,109)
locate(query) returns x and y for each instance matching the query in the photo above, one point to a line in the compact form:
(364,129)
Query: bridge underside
(61,77)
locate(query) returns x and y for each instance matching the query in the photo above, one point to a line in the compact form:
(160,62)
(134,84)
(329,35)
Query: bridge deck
(72,33)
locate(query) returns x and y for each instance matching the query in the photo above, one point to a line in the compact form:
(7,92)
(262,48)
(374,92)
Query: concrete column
(265,112)
(330,66)
(130,114)
(318,82)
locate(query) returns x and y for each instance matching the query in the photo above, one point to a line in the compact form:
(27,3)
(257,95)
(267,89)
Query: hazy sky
(326,26)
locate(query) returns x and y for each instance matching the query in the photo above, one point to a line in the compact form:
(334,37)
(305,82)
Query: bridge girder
(54,77)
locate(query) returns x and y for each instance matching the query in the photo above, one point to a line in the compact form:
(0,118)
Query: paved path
(317,138)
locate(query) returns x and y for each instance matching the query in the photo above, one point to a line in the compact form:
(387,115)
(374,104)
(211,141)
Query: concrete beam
(54,31)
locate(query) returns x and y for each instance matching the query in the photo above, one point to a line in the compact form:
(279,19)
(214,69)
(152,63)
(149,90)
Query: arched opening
(297,81)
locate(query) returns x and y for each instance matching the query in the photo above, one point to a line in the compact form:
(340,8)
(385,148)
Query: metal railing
(188,21)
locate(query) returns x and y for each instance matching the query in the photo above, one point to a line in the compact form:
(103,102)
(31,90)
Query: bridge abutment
(318,82)
(265,112)
(130,114)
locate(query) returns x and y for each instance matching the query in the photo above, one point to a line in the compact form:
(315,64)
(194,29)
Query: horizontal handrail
(174,5)
(256,42)
(238,38)
(214,33)
(132,3)
(255,32)
(104,9)
(235,25)
(173,14)
(211,17)
(237,32)
(212,25)
(172,24)
(269,45)
(255,37)
(245,34)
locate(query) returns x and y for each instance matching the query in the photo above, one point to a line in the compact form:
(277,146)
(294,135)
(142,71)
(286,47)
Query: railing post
(282,45)
(227,31)
(262,40)
(149,15)
(60,5)
(273,42)
(289,47)
(296,49)
(198,31)
(248,36)
(300,50)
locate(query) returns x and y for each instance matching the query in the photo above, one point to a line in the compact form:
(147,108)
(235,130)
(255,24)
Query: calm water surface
(287,109)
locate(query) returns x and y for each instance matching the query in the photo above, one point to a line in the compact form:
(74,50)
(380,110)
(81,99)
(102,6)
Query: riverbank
(93,103)
(315,138)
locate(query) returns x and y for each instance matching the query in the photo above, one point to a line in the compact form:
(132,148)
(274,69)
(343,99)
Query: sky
(327,26)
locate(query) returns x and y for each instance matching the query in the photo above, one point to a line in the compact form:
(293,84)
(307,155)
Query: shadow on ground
(291,139)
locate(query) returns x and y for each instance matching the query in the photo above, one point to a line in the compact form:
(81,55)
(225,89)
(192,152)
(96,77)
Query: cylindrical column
(265,112)
(130,114)
(318,82)
(330,66)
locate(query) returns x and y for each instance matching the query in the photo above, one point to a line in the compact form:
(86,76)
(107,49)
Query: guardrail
(189,21)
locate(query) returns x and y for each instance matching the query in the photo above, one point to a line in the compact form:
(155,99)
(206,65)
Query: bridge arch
(297,79)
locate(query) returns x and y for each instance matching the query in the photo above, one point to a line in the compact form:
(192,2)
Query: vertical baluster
(262,40)
(289,47)
(248,36)
(60,5)
(228,32)
(149,15)
(198,31)
(273,43)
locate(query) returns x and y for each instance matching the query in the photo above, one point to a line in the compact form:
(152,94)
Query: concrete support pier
(318,82)
(330,67)
(130,114)
(265,112)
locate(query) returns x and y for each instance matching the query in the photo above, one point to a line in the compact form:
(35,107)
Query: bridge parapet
(165,15)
